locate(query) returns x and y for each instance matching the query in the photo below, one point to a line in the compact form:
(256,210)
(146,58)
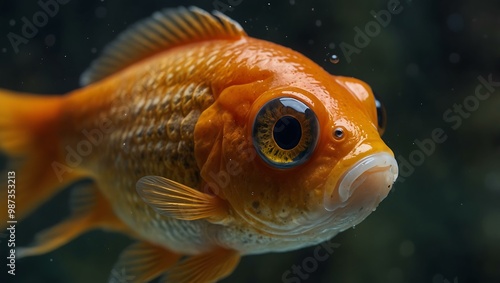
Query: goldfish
(203,144)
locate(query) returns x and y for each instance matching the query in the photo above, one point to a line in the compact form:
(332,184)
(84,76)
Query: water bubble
(50,40)
(334,59)
(395,275)
(492,181)
(12,22)
(455,22)
(318,23)
(412,70)
(93,50)
(454,58)
(100,12)
(490,225)
(331,45)
(292,2)
(4,50)
(406,248)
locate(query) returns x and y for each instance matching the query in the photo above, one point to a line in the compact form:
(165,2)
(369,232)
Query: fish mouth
(363,185)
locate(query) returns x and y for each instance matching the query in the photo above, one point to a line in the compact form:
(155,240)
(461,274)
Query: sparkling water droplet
(100,12)
(454,58)
(334,59)
(50,40)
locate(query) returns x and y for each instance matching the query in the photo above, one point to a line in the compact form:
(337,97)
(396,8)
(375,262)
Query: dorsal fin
(163,30)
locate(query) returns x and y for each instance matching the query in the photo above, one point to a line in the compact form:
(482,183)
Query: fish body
(203,141)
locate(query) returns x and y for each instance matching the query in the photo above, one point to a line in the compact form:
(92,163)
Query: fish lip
(379,167)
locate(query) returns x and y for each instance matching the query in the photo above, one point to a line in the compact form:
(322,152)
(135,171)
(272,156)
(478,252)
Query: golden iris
(285,132)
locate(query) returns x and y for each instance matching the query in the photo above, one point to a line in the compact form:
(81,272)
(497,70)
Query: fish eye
(381,116)
(285,132)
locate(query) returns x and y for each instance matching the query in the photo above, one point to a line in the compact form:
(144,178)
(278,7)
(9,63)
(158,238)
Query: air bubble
(454,58)
(101,12)
(406,248)
(334,59)
(50,40)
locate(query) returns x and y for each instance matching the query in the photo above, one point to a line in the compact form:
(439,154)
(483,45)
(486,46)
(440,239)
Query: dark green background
(442,224)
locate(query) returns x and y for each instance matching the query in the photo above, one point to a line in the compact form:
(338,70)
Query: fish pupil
(287,132)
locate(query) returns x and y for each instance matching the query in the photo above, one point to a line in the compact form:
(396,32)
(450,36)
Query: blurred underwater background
(425,59)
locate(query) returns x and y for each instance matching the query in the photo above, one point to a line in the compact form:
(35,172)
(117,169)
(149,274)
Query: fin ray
(90,210)
(29,136)
(179,201)
(142,262)
(207,267)
(162,31)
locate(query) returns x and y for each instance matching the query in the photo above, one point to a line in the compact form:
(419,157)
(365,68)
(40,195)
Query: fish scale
(161,139)
(172,106)
(152,134)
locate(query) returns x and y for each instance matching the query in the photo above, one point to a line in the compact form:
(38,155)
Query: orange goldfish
(203,144)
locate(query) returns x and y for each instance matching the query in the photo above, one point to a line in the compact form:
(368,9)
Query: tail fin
(30,133)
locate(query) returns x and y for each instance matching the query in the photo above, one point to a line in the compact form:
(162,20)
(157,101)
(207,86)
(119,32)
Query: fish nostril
(339,133)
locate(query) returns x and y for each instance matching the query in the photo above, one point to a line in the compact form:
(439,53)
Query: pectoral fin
(142,262)
(208,267)
(179,201)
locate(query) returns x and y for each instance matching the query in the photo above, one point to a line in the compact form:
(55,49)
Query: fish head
(293,158)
